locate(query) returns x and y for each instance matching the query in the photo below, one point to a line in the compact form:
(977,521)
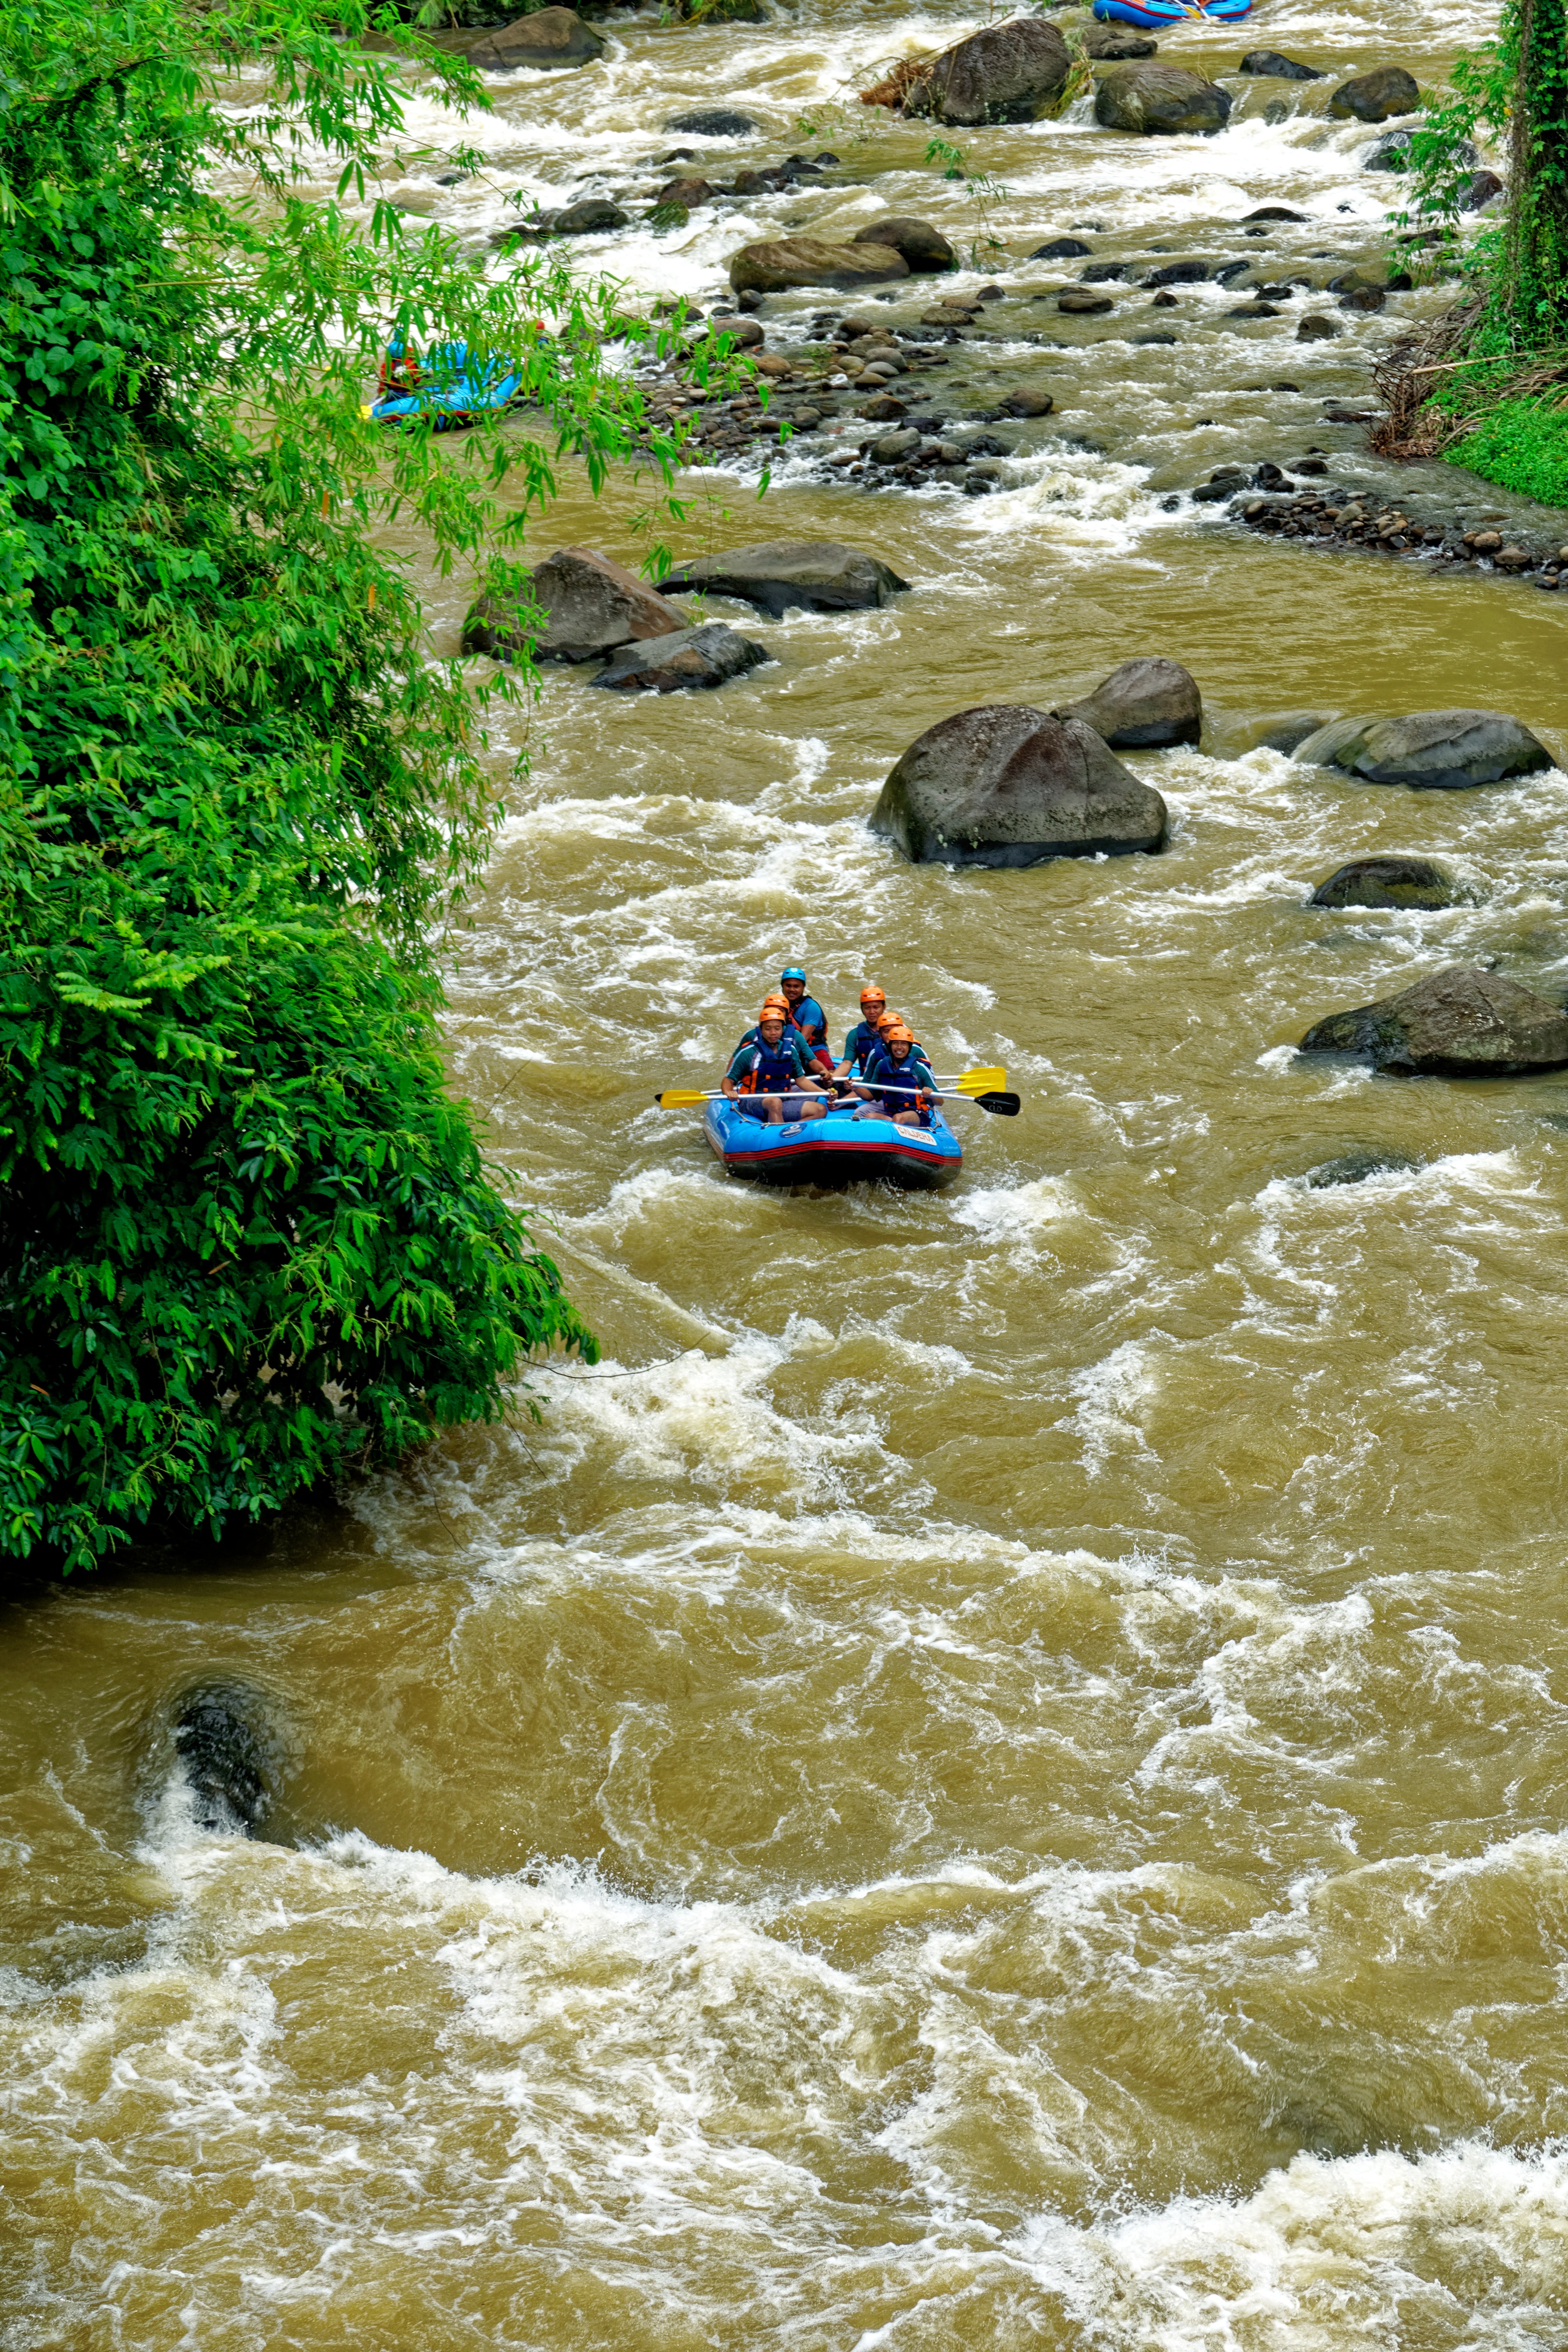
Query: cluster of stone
(1342,516)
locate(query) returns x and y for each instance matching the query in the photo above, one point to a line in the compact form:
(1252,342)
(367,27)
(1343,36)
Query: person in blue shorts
(773,1076)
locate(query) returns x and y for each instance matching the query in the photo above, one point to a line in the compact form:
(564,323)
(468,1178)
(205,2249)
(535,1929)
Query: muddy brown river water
(997,1775)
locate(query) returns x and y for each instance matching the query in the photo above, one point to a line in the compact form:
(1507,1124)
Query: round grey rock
(918,242)
(1147,701)
(1431,751)
(687,659)
(1387,882)
(1458,1022)
(1373,97)
(1160,100)
(1008,785)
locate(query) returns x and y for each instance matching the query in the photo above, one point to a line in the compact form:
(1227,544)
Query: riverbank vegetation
(1489,386)
(245,1238)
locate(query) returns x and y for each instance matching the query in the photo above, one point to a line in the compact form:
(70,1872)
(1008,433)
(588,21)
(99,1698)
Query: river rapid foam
(994,1775)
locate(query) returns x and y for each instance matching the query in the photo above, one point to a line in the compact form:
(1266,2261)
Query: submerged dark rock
(1355,1167)
(817,574)
(713,122)
(227,1756)
(1010,785)
(1269,62)
(1458,1022)
(687,659)
(1387,881)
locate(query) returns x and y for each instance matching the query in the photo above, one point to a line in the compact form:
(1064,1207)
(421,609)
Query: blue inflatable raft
(442,385)
(835,1150)
(1159,16)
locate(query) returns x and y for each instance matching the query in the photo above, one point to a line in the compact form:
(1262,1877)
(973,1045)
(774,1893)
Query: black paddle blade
(999,1106)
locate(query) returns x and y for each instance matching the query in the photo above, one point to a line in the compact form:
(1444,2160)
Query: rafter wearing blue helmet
(806,1013)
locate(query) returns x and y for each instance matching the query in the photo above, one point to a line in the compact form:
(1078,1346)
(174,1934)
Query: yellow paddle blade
(979,1082)
(680,1099)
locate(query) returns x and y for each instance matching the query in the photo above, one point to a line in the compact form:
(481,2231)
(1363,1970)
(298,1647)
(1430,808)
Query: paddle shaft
(715,1094)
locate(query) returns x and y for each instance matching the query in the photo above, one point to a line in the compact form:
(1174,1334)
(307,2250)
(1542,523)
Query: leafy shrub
(1521,445)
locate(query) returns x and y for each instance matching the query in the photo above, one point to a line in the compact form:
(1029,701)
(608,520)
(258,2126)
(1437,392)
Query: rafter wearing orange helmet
(862,1041)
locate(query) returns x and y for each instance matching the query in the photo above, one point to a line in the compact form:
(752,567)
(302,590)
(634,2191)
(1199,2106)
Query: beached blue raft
(1156,15)
(442,386)
(836,1151)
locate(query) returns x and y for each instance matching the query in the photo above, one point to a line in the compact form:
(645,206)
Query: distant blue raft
(1159,16)
(836,1151)
(442,386)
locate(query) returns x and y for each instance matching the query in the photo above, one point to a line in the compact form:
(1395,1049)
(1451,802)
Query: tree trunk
(1537,229)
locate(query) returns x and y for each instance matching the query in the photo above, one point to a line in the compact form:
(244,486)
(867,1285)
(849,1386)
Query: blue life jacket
(863,1041)
(897,1082)
(767,1069)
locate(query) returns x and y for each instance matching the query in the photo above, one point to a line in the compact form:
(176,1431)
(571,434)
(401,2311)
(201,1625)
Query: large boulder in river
(1159,98)
(1442,750)
(1461,1023)
(1373,97)
(819,575)
(550,37)
(1148,701)
(922,246)
(1390,881)
(1003,73)
(705,656)
(593,605)
(774,264)
(1009,786)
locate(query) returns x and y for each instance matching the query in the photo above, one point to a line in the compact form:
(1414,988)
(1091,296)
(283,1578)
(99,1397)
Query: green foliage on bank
(1522,446)
(245,1238)
(1479,385)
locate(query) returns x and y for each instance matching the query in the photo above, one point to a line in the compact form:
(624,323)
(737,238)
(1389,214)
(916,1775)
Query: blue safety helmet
(792,972)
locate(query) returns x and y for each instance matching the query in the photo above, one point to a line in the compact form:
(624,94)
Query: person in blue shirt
(805,1012)
(902,1086)
(772,1076)
(863,1040)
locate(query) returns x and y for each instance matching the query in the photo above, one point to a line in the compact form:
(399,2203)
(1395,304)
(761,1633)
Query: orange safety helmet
(897,1033)
(873,996)
(773,1009)
(886,1019)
